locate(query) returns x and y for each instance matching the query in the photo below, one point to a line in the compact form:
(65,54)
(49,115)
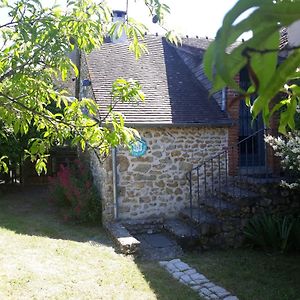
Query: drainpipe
(223,104)
(78,79)
(115,183)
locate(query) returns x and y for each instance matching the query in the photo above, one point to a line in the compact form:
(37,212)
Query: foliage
(73,191)
(35,42)
(273,233)
(14,145)
(10,144)
(3,163)
(296,233)
(288,149)
(259,55)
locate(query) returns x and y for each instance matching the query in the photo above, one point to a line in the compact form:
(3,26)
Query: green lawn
(252,275)
(44,258)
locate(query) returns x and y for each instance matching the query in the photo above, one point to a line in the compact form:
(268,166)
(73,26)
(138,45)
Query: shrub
(296,233)
(274,233)
(74,192)
(288,149)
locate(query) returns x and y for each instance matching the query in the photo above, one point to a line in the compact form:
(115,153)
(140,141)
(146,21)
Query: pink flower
(78,209)
(88,184)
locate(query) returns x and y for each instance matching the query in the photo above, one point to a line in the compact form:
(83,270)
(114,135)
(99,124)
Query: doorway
(251,134)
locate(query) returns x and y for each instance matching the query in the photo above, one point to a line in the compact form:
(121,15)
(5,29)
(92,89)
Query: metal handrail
(221,175)
(252,135)
(225,150)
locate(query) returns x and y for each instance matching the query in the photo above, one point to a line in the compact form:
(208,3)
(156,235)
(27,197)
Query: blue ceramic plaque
(138,148)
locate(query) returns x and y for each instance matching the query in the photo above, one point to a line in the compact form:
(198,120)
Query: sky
(188,17)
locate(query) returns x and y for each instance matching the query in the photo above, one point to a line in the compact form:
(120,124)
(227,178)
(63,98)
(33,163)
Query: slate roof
(192,53)
(173,94)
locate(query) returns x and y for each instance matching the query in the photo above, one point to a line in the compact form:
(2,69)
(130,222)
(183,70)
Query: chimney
(119,16)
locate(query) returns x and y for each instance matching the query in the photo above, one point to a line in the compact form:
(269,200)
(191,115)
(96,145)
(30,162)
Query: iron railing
(226,171)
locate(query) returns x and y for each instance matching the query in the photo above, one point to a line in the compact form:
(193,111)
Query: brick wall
(233,109)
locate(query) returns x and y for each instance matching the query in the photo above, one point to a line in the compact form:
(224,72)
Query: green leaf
(41,166)
(82,144)
(224,58)
(3,164)
(276,82)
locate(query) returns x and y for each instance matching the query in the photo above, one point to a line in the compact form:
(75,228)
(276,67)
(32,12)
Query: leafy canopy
(259,55)
(35,44)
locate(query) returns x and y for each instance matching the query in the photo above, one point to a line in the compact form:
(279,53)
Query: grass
(42,257)
(252,275)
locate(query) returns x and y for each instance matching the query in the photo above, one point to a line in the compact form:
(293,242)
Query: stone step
(258,184)
(261,180)
(158,246)
(124,241)
(220,207)
(206,222)
(199,216)
(239,196)
(185,234)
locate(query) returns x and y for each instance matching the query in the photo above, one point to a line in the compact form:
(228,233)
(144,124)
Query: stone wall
(155,185)
(84,74)
(228,228)
(69,84)
(103,181)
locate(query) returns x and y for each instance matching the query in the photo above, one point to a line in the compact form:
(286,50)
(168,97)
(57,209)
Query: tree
(35,43)
(259,55)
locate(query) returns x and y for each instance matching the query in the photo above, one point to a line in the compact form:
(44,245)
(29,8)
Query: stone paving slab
(158,240)
(158,246)
(126,243)
(180,229)
(196,281)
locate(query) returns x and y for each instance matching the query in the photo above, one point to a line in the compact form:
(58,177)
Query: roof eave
(157,124)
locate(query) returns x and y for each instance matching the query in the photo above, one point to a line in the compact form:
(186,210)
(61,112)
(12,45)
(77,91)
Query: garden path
(197,281)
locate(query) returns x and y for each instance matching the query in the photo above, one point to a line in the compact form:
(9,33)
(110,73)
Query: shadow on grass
(162,284)
(28,210)
(246,273)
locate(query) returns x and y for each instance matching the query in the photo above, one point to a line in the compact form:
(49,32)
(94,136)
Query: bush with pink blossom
(73,191)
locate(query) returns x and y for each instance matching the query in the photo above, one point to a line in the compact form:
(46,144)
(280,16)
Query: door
(251,134)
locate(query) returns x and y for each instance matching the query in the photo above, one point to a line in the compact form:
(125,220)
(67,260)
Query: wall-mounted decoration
(138,148)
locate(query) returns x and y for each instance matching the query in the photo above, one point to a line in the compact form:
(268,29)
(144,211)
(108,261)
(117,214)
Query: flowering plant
(73,191)
(288,149)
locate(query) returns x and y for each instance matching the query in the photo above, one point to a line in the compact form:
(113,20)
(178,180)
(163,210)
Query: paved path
(198,282)
(158,246)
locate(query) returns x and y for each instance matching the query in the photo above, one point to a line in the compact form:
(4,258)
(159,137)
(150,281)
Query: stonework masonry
(155,184)
(103,181)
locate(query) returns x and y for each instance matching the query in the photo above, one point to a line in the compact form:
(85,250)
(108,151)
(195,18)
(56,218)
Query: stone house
(178,122)
(181,128)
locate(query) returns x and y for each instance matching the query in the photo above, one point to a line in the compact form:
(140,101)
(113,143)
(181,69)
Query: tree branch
(47,117)
(246,52)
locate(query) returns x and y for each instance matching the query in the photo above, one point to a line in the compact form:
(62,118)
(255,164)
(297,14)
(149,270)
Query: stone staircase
(227,189)
(218,220)
(185,234)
